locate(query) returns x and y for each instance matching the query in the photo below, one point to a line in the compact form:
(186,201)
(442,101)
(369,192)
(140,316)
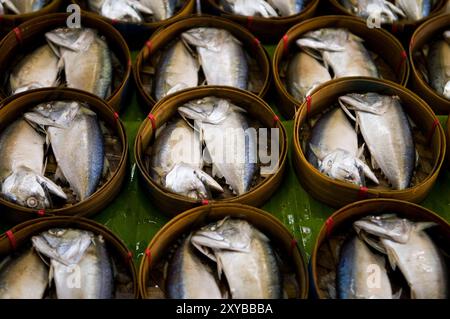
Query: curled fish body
(439,67)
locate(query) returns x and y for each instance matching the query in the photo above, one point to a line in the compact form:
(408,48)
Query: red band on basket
(149,256)
(152,120)
(18,34)
(129,256)
(41,212)
(363,192)
(257,42)
(285,43)
(402,61)
(276,119)
(249,22)
(130,64)
(308,104)
(149,46)
(116,115)
(329,225)
(12,239)
(205,202)
(433,130)
(114,21)
(293,244)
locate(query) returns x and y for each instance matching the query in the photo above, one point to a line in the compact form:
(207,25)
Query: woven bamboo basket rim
(187,7)
(236,211)
(415,45)
(303,114)
(30,228)
(105,29)
(294,34)
(186,95)
(341,215)
(51,6)
(190,22)
(311,6)
(103,111)
(435,11)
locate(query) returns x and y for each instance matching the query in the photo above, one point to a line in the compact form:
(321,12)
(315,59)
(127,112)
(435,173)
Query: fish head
(209,110)
(369,102)
(65,245)
(29,189)
(191,182)
(57,114)
(325,39)
(341,165)
(207,38)
(228,234)
(387,226)
(73,39)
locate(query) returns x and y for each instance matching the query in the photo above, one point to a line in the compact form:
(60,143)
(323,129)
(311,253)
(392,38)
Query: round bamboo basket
(422,36)
(256,108)
(10,21)
(31,34)
(336,193)
(340,223)
(391,52)
(21,234)
(164,36)
(15,106)
(134,33)
(268,30)
(195,218)
(402,29)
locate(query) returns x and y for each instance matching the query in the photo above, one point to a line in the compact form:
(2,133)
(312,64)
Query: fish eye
(32,202)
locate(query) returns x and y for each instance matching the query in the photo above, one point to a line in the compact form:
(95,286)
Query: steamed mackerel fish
(38,69)
(357,264)
(80,252)
(161,9)
(340,50)
(439,65)
(77,143)
(333,149)
(249,8)
(176,71)
(409,248)
(86,58)
(245,257)
(415,9)
(388,12)
(231,147)
(221,55)
(22,167)
(387,132)
(304,74)
(189,277)
(122,10)
(176,162)
(23,276)
(22,6)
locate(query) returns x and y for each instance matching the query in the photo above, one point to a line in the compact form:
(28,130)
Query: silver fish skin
(438,61)
(415,9)
(22,167)
(80,263)
(387,133)
(176,162)
(77,142)
(86,58)
(231,146)
(245,257)
(341,50)
(125,10)
(287,7)
(24,276)
(189,277)
(304,74)
(161,9)
(24,6)
(221,56)
(333,149)
(418,259)
(38,69)
(357,264)
(386,226)
(249,8)
(178,70)
(388,12)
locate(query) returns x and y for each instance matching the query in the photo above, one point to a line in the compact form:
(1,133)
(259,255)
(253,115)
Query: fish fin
(208,181)
(398,294)
(423,225)
(12,7)
(219,268)
(51,186)
(394,8)
(51,274)
(374,163)
(345,108)
(417,159)
(367,171)
(369,241)
(392,258)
